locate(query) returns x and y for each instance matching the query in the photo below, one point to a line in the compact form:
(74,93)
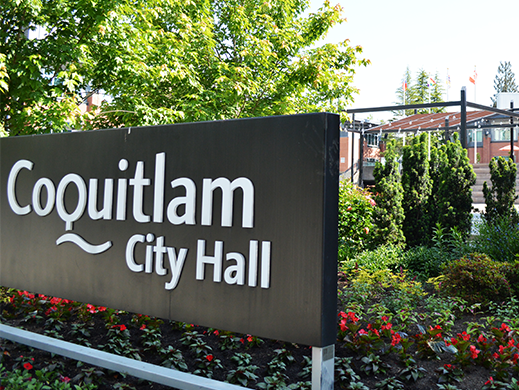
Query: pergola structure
(463,125)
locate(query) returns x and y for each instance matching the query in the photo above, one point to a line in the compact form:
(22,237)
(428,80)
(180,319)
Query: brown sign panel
(229,224)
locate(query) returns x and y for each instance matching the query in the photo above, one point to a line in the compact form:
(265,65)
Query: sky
(447,37)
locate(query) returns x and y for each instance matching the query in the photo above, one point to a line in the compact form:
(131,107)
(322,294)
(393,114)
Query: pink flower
(362,331)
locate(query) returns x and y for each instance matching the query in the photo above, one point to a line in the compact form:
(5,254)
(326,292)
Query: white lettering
(130,250)
(11,187)
(138,182)
(189,202)
(106,212)
(122,186)
(235,274)
(149,254)
(36,196)
(69,219)
(216,260)
(160,250)
(265,264)
(158,193)
(253,263)
(176,264)
(227,200)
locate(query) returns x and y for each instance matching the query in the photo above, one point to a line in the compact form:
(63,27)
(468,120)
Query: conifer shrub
(476,278)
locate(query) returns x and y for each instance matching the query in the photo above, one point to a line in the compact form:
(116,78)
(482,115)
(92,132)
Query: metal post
(512,133)
(463,119)
(352,148)
(323,367)
(361,155)
(447,132)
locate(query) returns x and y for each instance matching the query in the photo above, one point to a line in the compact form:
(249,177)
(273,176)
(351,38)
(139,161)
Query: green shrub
(383,257)
(425,262)
(476,278)
(498,239)
(511,272)
(355,220)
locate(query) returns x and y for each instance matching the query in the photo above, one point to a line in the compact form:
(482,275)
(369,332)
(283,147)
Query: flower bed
(427,342)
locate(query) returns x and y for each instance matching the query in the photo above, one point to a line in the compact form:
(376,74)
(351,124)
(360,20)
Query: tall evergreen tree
(404,93)
(388,215)
(436,93)
(454,194)
(416,183)
(504,81)
(421,90)
(500,198)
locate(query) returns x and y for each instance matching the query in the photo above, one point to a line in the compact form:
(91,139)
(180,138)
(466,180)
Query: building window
(479,136)
(502,135)
(372,140)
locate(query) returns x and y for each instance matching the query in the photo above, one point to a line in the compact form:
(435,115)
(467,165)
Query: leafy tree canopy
(166,61)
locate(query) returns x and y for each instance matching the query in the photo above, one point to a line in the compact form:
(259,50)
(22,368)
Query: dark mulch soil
(474,378)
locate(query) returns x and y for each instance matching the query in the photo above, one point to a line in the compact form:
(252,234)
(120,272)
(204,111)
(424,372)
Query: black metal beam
(401,107)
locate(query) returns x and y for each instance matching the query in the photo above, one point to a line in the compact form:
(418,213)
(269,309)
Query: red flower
(474,352)
(504,328)
(27,366)
(216,332)
(101,308)
(209,357)
(482,339)
(387,326)
(489,381)
(395,339)
(250,339)
(464,336)
(65,379)
(495,355)
(362,331)
(143,327)
(384,318)
(121,327)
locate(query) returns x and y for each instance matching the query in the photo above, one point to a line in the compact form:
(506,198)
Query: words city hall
(180,210)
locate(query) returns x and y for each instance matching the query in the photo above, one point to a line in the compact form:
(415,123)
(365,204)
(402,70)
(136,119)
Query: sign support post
(323,367)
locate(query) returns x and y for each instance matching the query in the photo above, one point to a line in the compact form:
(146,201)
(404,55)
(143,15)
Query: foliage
(476,278)
(388,215)
(498,239)
(355,220)
(500,198)
(455,172)
(424,262)
(381,258)
(504,80)
(164,61)
(417,185)
(423,89)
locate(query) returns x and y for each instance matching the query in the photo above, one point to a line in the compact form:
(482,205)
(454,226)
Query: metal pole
(352,147)
(323,359)
(512,132)
(447,133)
(361,155)
(463,124)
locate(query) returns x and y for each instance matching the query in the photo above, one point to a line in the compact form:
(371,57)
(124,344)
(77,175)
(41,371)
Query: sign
(229,224)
